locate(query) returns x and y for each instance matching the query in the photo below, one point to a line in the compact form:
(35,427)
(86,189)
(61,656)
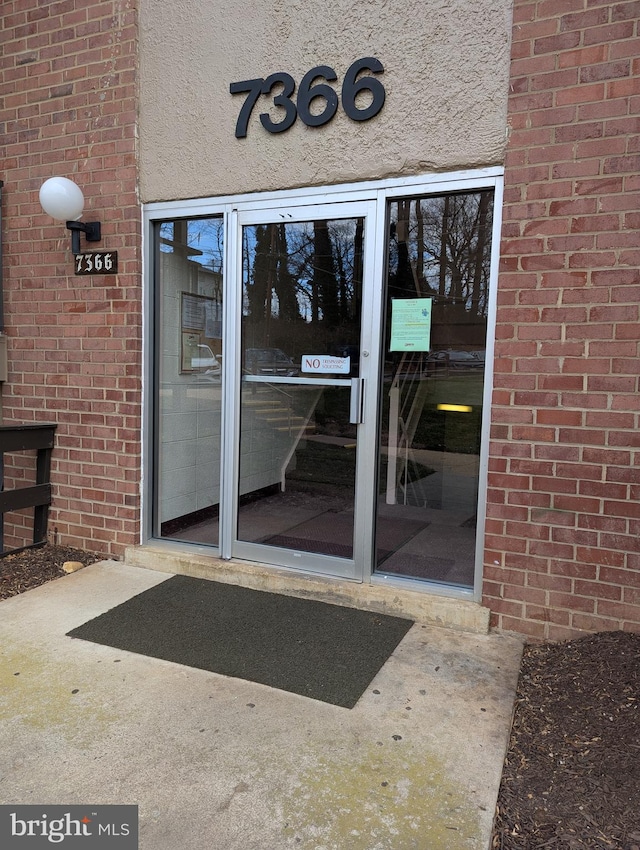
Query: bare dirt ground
(571,776)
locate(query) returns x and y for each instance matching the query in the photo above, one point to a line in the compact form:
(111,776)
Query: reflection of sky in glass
(203,237)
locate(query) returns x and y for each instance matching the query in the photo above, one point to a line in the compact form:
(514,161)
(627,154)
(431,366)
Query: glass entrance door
(301,378)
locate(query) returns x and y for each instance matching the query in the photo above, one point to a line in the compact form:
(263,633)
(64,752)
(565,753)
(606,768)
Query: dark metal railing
(20,438)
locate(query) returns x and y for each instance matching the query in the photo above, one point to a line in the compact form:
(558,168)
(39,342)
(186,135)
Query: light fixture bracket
(91,230)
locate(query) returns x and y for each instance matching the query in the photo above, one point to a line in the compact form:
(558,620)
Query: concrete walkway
(222,764)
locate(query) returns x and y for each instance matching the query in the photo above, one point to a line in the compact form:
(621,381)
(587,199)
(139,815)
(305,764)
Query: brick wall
(67,89)
(563,528)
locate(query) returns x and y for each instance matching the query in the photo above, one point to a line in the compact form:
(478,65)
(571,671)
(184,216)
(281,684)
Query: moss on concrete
(388,797)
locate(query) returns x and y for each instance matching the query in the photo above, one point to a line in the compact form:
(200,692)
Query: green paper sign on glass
(410,324)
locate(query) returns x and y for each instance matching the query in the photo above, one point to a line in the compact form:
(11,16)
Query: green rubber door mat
(325,652)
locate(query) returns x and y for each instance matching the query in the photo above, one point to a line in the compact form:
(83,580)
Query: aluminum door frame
(359,566)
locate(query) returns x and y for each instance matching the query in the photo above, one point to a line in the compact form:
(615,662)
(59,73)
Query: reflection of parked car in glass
(269,361)
(204,360)
(457,359)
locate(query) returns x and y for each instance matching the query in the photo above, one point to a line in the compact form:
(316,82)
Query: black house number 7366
(310,89)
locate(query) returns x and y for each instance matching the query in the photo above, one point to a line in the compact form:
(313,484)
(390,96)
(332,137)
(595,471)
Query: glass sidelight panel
(189,265)
(300,344)
(432,386)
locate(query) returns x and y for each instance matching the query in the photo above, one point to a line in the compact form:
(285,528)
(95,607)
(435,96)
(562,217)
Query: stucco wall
(446,79)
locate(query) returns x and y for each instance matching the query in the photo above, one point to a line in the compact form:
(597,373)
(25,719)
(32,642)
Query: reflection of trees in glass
(257,286)
(440,247)
(325,281)
(271,289)
(302,273)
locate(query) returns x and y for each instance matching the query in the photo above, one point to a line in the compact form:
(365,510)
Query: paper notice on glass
(410,324)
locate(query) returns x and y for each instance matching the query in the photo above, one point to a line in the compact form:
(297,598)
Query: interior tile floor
(439,539)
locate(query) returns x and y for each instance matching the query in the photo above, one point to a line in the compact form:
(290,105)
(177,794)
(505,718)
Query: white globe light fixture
(63,200)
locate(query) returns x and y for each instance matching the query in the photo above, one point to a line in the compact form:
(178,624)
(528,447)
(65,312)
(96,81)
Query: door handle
(356,403)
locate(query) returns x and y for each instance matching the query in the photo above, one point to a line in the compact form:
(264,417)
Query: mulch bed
(571,776)
(31,567)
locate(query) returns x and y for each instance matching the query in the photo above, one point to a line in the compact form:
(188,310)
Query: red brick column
(563,528)
(67,88)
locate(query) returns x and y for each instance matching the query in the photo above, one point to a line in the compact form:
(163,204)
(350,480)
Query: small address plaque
(96,262)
